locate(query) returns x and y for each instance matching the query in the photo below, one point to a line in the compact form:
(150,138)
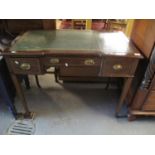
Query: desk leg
(20,93)
(6,97)
(125,90)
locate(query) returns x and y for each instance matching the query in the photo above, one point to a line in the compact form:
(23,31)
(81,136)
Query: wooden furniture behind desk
(143,35)
(143,102)
(17,26)
(73,53)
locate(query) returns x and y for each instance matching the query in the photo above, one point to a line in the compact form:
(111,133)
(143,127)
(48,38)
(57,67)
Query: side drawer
(149,104)
(24,65)
(119,67)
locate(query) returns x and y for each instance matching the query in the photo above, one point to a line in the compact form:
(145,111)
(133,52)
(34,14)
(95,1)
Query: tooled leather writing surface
(57,40)
(106,43)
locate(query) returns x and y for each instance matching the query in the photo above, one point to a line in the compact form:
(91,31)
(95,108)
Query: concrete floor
(75,109)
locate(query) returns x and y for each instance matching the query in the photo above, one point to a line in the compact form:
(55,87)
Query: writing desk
(73,53)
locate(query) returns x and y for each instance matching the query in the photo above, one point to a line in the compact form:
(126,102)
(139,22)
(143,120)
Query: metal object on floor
(22,127)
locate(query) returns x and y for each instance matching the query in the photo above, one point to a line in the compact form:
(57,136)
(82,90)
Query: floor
(75,109)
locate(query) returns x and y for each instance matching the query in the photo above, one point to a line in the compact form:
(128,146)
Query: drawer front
(118,67)
(24,65)
(87,62)
(51,61)
(74,66)
(80,66)
(150,102)
(62,61)
(79,71)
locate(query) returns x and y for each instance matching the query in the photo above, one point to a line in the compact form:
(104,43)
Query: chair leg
(56,75)
(37,81)
(27,82)
(108,84)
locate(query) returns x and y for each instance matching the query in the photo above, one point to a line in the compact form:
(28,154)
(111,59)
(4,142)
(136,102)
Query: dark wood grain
(149,104)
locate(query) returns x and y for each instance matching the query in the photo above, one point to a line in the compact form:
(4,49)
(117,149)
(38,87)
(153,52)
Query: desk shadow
(70,99)
(98,99)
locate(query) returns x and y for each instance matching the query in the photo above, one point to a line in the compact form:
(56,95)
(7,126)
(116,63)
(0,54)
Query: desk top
(74,41)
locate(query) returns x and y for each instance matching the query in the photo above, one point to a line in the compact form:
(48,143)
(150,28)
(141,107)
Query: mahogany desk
(73,53)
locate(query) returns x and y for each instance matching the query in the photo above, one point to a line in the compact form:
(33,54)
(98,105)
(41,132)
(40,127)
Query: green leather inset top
(57,40)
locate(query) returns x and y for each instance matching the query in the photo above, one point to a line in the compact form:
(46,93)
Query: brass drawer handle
(54,60)
(25,66)
(89,62)
(117,67)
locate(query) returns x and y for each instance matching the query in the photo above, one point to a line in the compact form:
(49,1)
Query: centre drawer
(24,65)
(119,66)
(71,61)
(80,66)
(75,62)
